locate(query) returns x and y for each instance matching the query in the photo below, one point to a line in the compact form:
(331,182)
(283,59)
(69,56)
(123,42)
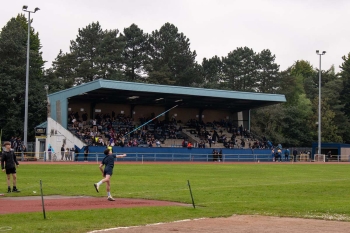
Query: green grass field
(296,190)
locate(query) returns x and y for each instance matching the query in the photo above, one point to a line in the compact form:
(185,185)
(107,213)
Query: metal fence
(169,157)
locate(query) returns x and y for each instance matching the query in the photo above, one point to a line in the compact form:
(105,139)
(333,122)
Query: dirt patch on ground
(34,204)
(235,223)
(241,224)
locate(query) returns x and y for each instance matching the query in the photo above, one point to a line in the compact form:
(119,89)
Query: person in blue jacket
(286,155)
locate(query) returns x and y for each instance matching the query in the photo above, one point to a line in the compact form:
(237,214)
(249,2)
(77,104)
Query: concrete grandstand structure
(139,100)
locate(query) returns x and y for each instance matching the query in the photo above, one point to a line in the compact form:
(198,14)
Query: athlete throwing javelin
(108,162)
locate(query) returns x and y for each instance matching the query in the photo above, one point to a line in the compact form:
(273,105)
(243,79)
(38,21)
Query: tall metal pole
(319,103)
(319,108)
(25,132)
(27,85)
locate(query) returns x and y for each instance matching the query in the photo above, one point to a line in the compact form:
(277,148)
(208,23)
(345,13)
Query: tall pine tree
(13,54)
(135,53)
(240,69)
(172,61)
(345,76)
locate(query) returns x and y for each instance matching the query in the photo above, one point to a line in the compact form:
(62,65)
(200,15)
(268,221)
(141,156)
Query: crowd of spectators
(17,145)
(119,130)
(211,133)
(261,144)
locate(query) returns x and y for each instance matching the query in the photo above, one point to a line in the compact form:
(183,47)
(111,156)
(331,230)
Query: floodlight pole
(319,103)
(25,137)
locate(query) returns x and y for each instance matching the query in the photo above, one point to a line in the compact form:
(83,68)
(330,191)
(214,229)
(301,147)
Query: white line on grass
(153,224)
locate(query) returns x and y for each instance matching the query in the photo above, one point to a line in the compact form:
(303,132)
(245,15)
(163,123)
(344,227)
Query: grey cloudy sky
(292,29)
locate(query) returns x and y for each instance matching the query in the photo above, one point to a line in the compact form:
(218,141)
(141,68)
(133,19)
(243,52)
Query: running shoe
(96,187)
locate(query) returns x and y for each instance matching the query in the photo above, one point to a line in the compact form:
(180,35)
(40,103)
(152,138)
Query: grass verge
(295,190)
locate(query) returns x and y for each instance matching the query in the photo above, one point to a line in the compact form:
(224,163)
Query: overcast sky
(292,29)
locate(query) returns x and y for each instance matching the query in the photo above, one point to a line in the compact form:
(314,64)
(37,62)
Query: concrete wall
(77,106)
(215,115)
(184,114)
(57,135)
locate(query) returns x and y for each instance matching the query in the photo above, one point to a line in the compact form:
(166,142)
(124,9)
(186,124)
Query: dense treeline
(164,57)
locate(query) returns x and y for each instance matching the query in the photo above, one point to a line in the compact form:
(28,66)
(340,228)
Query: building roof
(119,92)
(42,125)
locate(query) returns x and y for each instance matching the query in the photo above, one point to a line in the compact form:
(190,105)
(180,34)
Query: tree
(345,76)
(290,125)
(240,69)
(94,54)
(297,124)
(212,70)
(328,126)
(13,53)
(267,122)
(63,68)
(333,92)
(171,60)
(135,53)
(297,80)
(288,87)
(268,72)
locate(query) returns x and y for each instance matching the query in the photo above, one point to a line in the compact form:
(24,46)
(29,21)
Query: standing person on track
(295,154)
(62,152)
(86,153)
(9,158)
(286,155)
(108,162)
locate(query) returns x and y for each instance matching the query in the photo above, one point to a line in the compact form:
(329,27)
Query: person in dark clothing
(108,162)
(214,155)
(86,153)
(24,150)
(62,152)
(8,164)
(286,155)
(76,153)
(295,153)
(329,154)
(49,152)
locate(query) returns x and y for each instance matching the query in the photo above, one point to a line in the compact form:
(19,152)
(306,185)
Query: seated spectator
(189,145)
(184,143)
(135,143)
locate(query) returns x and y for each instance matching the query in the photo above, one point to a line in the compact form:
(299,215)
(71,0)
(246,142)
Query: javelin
(150,120)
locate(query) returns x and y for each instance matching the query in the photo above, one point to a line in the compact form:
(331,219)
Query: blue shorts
(107,172)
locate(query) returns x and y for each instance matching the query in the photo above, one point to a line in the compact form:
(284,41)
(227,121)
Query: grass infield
(295,190)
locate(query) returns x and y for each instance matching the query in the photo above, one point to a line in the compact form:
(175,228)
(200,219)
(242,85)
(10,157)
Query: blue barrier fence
(180,155)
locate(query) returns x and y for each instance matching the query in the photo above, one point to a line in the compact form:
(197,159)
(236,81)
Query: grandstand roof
(119,92)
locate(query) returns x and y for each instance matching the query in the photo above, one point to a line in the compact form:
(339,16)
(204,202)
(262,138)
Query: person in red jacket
(9,159)
(189,145)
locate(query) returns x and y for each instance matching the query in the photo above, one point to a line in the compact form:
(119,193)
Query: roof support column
(92,110)
(200,113)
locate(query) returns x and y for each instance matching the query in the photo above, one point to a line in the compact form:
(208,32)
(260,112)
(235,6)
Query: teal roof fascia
(77,90)
(145,87)
(155,88)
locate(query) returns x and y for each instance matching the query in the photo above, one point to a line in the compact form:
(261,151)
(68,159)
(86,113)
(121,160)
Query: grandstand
(93,113)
